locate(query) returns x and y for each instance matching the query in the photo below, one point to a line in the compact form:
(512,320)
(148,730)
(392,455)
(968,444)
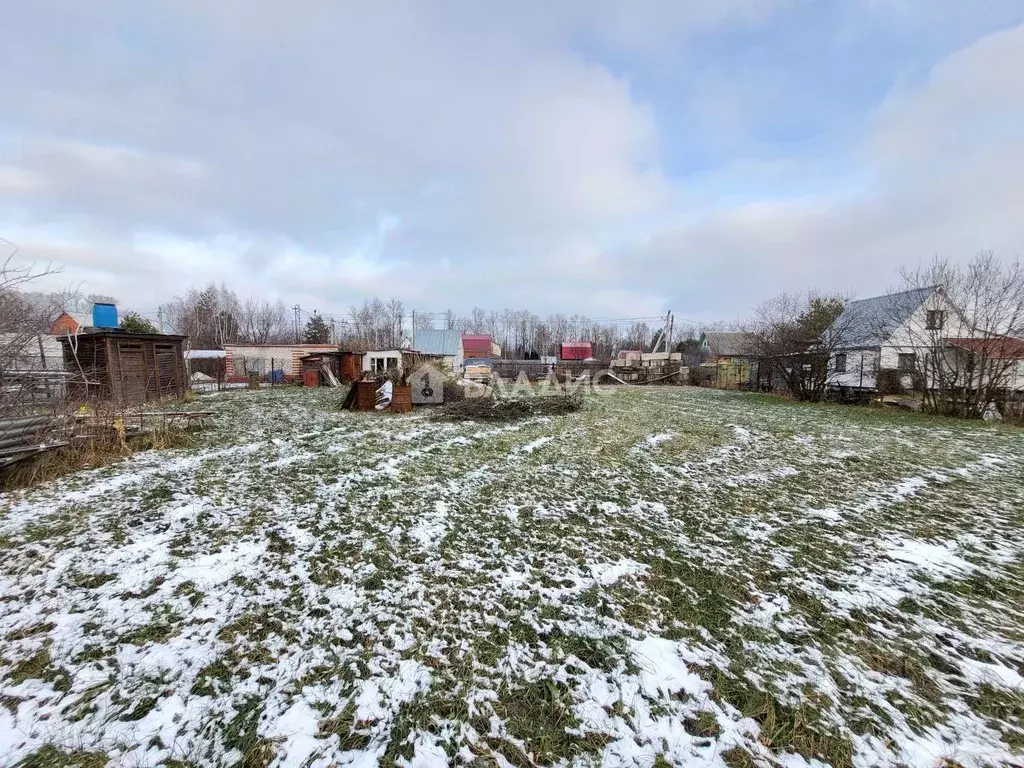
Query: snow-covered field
(672,577)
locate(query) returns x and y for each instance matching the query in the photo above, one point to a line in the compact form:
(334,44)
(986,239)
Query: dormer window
(936,319)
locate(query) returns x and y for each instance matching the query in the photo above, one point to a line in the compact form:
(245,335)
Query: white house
(892,332)
(381,360)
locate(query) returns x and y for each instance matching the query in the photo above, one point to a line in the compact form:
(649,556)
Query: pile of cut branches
(509,408)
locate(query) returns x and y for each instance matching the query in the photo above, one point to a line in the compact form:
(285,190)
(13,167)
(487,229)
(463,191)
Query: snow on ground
(693,577)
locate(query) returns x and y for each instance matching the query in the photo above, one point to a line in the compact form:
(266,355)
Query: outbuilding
(479,345)
(129,368)
(443,344)
(263,359)
(576,350)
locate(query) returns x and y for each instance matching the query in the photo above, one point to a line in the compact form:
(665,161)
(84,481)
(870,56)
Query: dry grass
(94,452)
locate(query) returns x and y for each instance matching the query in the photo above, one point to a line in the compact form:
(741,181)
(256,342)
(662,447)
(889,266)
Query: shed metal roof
(434,342)
(722,344)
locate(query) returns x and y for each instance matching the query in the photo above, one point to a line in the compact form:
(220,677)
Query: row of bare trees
(215,316)
(522,333)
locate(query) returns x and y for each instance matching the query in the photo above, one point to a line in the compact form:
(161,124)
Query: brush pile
(506,409)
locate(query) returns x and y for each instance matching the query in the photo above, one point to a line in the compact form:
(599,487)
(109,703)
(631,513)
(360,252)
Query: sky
(616,159)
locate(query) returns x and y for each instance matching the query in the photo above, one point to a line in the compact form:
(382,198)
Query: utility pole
(296,309)
(413,342)
(334,332)
(671,327)
(662,340)
(160,317)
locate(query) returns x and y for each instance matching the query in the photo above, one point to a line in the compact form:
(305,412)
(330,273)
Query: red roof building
(993,348)
(576,350)
(476,345)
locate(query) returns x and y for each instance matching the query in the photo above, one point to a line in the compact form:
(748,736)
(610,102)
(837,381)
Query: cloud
(942,160)
(452,154)
(301,131)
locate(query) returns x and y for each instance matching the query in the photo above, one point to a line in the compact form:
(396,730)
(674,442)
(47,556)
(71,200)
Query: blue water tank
(104,316)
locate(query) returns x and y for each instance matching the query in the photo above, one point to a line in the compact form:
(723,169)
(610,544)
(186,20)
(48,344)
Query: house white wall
(1017,382)
(858,360)
(382,359)
(914,337)
(860,371)
(1009,373)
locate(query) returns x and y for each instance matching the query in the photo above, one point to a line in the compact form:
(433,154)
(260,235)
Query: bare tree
(638,335)
(210,318)
(791,339)
(23,322)
(262,321)
(424,321)
(376,325)
(477,321)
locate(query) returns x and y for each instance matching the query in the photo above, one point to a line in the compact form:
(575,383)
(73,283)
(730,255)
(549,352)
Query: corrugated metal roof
(476,345)
(433,342)
(870,322)
(721,344)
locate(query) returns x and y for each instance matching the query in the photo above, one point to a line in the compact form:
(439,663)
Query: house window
(935,320)
(841,362)
(906,363)
(378,364)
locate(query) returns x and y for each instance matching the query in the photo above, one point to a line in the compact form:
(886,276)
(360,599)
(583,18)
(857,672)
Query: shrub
(509,409)
(889,382)
(453,391)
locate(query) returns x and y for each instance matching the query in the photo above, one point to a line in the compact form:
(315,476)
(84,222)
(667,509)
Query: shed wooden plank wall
(128,369)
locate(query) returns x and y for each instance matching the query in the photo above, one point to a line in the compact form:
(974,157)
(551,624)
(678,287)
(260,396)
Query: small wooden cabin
(129,368)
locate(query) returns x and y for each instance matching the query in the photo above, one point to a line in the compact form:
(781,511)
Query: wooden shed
(129,368)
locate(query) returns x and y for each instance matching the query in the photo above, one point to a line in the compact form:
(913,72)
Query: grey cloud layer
(449,157)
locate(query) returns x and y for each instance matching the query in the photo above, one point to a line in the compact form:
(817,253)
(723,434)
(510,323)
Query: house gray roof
(444,343)
(870,322)
(24,351)
(727,344)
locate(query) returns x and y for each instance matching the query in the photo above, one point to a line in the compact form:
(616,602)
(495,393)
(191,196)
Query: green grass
(391,584)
